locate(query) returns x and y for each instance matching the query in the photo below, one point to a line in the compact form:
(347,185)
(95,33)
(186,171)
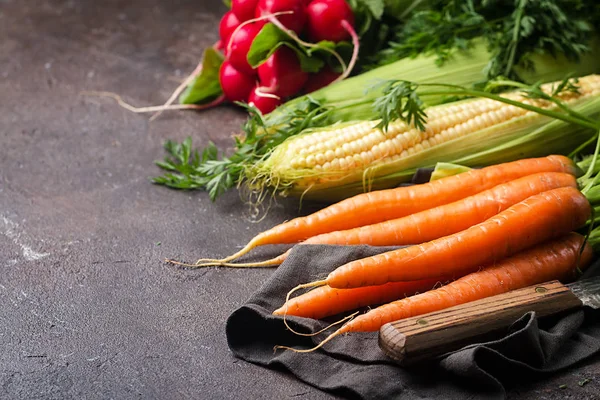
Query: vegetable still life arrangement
(484,231)
(273,50)
(502,98)
(523,241)
(463,44)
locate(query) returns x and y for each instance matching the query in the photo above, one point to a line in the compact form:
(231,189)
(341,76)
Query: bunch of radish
(280,76)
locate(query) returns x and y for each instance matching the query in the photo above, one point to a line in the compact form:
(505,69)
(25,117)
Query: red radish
(235,84)
(265,102)
(324,20)
(321,79)
(239,45)
(281,74)
(294,22)
(227,25)
(244,9)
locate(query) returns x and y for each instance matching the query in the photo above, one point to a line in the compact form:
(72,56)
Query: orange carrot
(439,221)
(525,224)
(556,259)
(449,218)
(383,205)
(553,260)
(325,301)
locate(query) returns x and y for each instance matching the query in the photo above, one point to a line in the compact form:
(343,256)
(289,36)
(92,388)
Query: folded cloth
(353,366)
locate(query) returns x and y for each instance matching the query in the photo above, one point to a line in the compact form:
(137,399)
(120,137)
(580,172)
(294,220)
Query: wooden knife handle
(424,337)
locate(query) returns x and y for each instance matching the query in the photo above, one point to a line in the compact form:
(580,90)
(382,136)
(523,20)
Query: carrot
(383,205)
(556,259)
(325,301)
(525,224)
(439,221)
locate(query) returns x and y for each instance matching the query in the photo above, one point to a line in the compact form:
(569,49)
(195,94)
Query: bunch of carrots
(486,231)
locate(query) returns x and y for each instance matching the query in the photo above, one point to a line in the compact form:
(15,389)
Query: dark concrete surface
(87,308)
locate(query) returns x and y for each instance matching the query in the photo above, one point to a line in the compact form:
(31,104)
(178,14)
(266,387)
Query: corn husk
(530,135)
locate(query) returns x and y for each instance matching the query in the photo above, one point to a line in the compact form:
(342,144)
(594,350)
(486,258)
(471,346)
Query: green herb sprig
(400,100)
(403,100)
(514,30)
(214,171)
(404,96)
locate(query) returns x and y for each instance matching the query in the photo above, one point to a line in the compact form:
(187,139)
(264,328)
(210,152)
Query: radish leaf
(375,7)
(206,86)
(271,38)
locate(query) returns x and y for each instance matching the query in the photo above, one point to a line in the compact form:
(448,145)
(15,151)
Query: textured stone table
(87,307)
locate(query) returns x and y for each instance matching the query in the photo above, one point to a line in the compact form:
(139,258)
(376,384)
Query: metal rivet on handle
(422,321)
(541,289)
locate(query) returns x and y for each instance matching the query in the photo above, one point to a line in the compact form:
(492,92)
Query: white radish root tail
(355,50)
(197,71)
(168,105)
(149,109)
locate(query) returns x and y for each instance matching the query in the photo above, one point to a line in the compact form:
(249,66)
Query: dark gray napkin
(353,366)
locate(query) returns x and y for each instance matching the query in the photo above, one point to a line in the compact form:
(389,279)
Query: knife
(428,336)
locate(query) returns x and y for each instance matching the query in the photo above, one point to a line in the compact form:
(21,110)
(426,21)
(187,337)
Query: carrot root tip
(245,250)
(318,346)
(261,264)
(287,299)
(346,318)
(181,264)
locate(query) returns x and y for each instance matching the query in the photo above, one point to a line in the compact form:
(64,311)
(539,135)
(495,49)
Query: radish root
(356,47)
(264,92)
(197,71)
(141,110)
(169,106)
(180,88)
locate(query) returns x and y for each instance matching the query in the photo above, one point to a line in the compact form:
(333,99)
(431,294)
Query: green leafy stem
(215,172)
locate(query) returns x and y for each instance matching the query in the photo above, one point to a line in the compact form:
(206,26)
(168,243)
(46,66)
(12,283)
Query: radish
(321,79)
(294,22)
(239,45)
(263,101)
(243,9)
(324,20)
(235,84)
(228,24)
(281,74)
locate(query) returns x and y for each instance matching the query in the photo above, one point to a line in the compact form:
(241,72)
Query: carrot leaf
(400,101)
(514,31)
(188,169)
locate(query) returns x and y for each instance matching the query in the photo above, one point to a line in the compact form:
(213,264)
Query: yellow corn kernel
(338,151)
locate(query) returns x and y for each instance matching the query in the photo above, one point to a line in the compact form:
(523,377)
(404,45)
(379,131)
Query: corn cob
(470,132)
(348,101)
